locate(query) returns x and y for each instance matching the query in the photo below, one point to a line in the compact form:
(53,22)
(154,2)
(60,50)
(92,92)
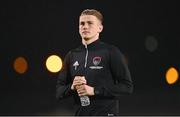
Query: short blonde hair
(93,12)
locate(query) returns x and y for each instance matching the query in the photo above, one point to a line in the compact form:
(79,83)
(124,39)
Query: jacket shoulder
(110,47)
(77,49)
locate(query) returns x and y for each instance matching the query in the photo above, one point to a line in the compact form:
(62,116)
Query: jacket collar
(93,44)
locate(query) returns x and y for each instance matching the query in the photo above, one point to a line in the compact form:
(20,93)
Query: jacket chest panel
(97,62)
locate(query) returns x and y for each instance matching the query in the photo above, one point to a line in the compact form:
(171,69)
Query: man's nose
(85,26)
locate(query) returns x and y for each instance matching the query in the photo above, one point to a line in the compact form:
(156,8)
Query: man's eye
(90,23)
(82,23)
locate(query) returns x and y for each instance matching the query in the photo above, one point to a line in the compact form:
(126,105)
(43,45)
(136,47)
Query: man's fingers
(81,92)
(79,82)
(80,79)
(80,88)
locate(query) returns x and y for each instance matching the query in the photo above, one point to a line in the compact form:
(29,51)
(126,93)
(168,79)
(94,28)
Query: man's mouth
(85,32)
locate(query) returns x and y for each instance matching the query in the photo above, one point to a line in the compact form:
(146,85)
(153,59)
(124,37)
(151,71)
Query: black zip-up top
(104,68)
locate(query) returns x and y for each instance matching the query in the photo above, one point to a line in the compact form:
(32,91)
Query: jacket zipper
(85,64)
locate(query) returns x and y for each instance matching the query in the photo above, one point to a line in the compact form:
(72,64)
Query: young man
(94,69)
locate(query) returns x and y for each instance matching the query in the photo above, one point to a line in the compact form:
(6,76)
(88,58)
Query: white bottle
(85,101)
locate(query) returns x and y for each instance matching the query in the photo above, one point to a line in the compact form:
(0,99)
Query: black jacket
(104,68)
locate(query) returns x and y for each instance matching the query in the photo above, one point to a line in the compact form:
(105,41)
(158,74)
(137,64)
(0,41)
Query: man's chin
(86,38)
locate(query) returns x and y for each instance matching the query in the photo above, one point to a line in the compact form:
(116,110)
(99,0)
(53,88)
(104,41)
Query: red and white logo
(96,60)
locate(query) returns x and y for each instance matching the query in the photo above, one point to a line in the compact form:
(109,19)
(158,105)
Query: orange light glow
(172,75)
(20,65)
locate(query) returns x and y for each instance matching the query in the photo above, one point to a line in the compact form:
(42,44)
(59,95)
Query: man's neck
(90,40)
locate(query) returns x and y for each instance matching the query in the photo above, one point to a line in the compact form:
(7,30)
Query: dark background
(36,29)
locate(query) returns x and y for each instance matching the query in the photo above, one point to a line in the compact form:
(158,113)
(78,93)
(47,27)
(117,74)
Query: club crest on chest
(96,62)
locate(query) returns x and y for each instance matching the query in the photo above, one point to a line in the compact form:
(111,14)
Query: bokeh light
(20,65)
(151,43)
(172,75)
(54,63)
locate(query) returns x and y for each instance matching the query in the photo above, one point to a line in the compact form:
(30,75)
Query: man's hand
(78,80)
(85,90)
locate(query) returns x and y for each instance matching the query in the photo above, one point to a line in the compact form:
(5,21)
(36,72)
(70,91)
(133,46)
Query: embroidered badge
(96,60)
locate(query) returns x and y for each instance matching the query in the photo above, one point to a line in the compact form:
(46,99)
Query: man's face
(89,26)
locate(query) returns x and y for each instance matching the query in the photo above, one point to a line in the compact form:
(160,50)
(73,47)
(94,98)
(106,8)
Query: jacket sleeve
(63,87)
(120,74)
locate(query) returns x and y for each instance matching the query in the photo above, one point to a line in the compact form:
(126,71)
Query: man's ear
(100,28)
